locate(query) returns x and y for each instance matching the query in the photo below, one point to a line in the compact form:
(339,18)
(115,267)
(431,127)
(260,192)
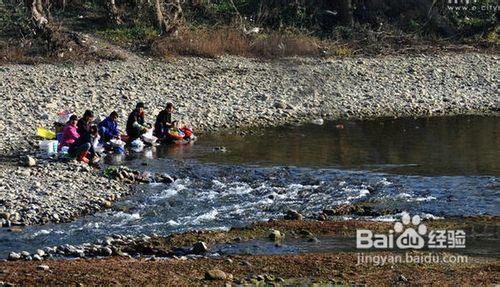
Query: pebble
(43,267)
(40,252)
(220,149)
(107,251)
(318,122)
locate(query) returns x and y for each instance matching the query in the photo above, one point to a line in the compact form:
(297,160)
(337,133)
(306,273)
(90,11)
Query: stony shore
(228,93)
(189,259)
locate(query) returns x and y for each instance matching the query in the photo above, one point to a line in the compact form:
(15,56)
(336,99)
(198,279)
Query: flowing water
(437,167)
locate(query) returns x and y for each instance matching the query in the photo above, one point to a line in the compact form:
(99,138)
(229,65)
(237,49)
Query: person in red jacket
(70,135)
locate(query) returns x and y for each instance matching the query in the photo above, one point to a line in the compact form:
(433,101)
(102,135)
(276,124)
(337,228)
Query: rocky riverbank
(228,93)
(191,258)
(52,191)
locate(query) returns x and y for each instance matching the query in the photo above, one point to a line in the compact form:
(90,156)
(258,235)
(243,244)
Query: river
(434,167)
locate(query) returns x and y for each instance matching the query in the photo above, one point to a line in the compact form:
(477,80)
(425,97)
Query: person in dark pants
(136,125)
(83,148)
(83,124)
(108,128)
(163,121)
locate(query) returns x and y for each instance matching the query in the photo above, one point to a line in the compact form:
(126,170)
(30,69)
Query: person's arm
(138,125)
(79,127)
(168,119)
(114,130)
(101,127)
(73,134)
(95,141)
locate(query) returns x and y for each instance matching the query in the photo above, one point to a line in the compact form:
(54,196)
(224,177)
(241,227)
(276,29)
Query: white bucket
(48,147)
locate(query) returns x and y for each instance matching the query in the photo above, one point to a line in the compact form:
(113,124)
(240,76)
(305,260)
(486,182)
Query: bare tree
(161,22)
(37,15)
(42,23)
(165,15)
(346,12)
(173,16)
(113,13)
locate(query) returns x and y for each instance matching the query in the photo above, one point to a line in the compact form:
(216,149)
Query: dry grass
(34,52)
(227,41)
(10,54)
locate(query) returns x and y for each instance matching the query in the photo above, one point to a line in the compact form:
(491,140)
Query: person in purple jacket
(108,128)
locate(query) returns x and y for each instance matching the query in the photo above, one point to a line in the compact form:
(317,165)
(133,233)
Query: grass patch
(129,35)
(204,42)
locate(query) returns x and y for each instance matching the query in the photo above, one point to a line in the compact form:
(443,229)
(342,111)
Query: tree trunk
(161,23)
(41,23)
(346,16)
(37,15)
(173,15)
(167,15)
(113,14)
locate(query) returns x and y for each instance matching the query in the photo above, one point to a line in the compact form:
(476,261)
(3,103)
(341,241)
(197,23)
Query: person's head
(113,116)
(170,107)
(73,120)
(140,107)
(94,130)
(88,116)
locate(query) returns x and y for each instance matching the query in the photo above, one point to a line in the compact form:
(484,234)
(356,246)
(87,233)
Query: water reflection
(432,146)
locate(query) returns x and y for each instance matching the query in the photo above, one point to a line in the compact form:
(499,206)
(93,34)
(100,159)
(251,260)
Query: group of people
(81,136)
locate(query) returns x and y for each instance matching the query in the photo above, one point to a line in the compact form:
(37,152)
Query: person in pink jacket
(70,135)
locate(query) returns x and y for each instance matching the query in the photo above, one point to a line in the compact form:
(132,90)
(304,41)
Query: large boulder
(28,161)
(14,256)
(200,247)
(293,215)
(216,274)
(276,235)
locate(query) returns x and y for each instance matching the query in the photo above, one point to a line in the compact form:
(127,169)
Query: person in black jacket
(164,121)
(83,148)
(83,124)
(136,125)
